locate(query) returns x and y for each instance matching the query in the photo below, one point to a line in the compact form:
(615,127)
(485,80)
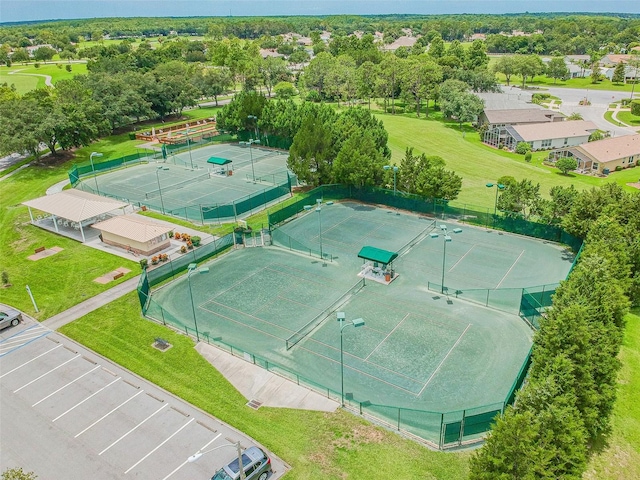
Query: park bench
(118,275)
(40,249)
(162,344)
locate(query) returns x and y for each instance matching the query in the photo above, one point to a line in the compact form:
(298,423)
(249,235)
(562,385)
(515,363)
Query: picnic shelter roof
(219,161)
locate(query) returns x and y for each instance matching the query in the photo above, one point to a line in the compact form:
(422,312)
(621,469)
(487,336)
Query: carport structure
(221,162)
(72,209)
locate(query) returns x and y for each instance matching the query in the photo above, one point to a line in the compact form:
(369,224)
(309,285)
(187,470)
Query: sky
(27,10)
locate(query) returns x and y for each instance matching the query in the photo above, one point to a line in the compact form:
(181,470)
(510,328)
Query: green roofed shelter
(377,255)
(221,162)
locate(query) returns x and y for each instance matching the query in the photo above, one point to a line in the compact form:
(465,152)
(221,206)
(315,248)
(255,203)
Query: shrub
(155,259)
(196,241)
(176,236)
(171,234)
(522,148)
(567,164)
(183,249)
(313,96)
(618,168)
(635,108)
(68,68)
(5,278)
(527,157)
(144,263)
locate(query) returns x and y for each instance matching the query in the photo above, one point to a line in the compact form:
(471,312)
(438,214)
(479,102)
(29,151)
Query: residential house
(603,156)
(403,41)
(612,59)
(543,136)
(522,116)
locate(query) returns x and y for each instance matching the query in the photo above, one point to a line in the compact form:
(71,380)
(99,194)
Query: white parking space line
(65,386)
(47,373)
(134,428)
(166,440)
(187,461)
(20,339)
(32,360)
(106,415)
(80,403)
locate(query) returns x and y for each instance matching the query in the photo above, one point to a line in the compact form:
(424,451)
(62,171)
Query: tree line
(566,403)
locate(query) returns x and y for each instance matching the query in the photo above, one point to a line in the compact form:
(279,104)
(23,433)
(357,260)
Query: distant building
(403,41)
(543,136)
(603,156)
(523,116)
(611,60)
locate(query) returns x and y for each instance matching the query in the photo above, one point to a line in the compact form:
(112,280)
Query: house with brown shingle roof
(546,136)
(603,156)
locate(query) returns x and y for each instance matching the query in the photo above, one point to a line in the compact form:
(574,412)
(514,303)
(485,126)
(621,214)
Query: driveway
(600,101)
(66,412)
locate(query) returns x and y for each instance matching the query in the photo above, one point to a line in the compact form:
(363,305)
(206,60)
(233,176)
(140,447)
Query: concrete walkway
(92,304)
(256,383)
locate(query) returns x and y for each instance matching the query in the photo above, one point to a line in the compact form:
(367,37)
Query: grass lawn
(317,445)
(24,79)
(626,117)
(619,457)
(477,163)
(608,116)
(57,282)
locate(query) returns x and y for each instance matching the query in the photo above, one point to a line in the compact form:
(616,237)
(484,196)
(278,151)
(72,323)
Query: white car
(9,317)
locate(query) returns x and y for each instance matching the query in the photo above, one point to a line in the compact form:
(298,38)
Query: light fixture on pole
(319,210)
(160,189)
(255,125)
(196,456)
(395,171)
(447,239)
(358,322)
(191,269)
(499,187)
(95,175)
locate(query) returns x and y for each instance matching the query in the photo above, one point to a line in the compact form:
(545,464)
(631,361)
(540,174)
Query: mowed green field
(27,77)
(479,164)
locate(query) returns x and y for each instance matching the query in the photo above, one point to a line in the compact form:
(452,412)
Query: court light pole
(160,189)
(499,187)
(191,269)
(358,322)
(95,175)
(251,142)
(395,171)
(447,239)
(196,456)
(319,210)
(186,134)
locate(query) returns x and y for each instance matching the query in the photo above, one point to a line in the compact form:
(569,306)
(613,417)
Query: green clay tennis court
(419,349)
(172,186)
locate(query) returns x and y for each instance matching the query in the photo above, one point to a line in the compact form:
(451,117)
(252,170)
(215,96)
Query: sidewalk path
(47,78)
(92,304)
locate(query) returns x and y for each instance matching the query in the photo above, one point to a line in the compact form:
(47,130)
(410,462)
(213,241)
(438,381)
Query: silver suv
(256,463)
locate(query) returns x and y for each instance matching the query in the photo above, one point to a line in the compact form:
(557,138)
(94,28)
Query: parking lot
(66,412)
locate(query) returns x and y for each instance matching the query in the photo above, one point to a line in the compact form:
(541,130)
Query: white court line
(462,257)
(130,431)
(65,386)
(33,359)
(187,461)
(388,335)
(46,373)
(80,403)
(445,357)
(509,271)
(166,440)
(106,415)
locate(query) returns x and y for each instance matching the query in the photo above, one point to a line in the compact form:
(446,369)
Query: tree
(359,162)
(18,474)
(520,198)
(635,108)
(285,90)
(311,154)
(477,56)
(522,148)
(418,77)
(510,451)
(618,73)
(557,69)
(528,66)
(214,81)
(272,70)
(507,66)
(567,164)
(436,47)
(575,116)
(426,176)
(44,54)
(20,55)
(465,107)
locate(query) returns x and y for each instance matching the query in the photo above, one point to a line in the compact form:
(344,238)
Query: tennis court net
(176,186)
(318,319)
(417,239)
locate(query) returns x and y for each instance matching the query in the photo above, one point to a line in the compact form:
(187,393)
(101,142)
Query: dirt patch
(60,158)
(634,185)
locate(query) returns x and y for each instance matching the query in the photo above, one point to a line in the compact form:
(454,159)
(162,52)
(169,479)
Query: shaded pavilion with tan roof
(73,209)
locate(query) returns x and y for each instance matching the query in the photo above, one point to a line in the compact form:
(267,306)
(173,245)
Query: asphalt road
(66,412)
